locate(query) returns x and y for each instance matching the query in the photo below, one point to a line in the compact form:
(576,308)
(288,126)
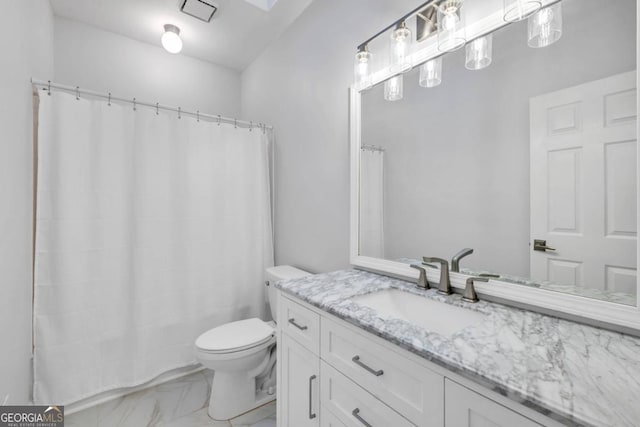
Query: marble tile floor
(179,403)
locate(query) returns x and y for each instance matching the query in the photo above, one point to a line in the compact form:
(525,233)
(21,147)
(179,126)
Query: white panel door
(584,185)
(299,379)
(466,408)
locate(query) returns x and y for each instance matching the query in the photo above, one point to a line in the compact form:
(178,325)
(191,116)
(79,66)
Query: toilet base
(233,394)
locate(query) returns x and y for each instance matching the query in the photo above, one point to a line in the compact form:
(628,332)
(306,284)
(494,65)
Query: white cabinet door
(583,184)
(299,398)
(327,419)
(466,408)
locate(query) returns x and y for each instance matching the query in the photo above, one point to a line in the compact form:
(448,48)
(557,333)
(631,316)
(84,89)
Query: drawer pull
(356,360)
(356,414)
(293,322)
(311,414)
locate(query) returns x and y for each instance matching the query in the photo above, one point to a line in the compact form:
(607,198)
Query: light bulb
(171,40)
(361,68)
(451,26)
(399,53)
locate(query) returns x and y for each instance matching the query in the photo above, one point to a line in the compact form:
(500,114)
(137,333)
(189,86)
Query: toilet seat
(235,337)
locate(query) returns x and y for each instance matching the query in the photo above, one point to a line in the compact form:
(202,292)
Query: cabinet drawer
(300,323)
(399,382)
(466,408)
(352,405)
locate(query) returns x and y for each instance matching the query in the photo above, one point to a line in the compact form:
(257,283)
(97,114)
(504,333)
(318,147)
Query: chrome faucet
(470,290)
(455,261)
(445,285)
(422,279)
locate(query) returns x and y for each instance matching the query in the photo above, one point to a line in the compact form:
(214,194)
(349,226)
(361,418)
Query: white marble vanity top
(574,373)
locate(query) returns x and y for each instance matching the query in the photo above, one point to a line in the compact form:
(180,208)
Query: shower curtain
(150,229)
(372,203)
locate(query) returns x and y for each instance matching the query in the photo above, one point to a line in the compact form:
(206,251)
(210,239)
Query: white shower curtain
(372,203)
(149,231)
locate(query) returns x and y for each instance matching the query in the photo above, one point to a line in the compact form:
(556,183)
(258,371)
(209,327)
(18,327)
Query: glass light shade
(361,69)
(478,54)
(545,27)
(431,73)
(517,10)
(452,31)
(171,40)
(399,49)
(393,88)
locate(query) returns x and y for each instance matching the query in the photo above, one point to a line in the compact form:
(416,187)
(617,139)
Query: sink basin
(434,316)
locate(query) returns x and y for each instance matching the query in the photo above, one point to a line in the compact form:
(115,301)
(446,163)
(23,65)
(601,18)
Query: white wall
(99,60)
(26,34)
(299,85)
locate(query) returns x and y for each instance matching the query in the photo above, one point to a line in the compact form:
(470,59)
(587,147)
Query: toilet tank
(275,274)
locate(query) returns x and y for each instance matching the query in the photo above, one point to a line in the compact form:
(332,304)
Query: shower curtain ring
(251,127)
(157,108)
(218,119)
(179,113)
(235,123)
(109,102)
(198,115)
(134,105)
(49,88)
(77,93)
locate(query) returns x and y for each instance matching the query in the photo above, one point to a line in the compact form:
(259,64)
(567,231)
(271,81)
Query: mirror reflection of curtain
(372,203)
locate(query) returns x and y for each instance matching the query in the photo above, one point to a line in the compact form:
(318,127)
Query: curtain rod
(48,85)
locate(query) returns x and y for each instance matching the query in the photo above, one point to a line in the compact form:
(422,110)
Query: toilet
(243,357)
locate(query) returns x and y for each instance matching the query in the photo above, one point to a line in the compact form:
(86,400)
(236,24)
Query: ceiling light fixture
(431,73)
(171,40)
(393,88)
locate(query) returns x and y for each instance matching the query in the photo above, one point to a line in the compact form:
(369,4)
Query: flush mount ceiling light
(517,10)
(171,40)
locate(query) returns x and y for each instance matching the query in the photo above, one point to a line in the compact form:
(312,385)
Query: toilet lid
(235,336)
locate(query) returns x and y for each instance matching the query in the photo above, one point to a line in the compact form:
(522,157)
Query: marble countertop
(574,373)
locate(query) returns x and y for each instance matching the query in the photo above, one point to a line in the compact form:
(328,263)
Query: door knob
(541,245)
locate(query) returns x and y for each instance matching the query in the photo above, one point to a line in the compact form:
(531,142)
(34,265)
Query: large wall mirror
(531,162)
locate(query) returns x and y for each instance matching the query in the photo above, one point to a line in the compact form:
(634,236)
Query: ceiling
(236,35)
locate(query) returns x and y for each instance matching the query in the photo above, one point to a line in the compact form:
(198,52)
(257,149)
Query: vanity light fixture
(478,53)
(171,40)
(400,45)
(393,88)
(361,68)
(545,26)
(517,10)
(431,73)
(451,26)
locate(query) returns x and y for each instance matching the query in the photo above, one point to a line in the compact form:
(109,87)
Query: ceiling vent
(199,9)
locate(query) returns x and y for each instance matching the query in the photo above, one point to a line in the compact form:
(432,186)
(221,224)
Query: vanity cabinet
(466,408)
(298,385)
(332,374)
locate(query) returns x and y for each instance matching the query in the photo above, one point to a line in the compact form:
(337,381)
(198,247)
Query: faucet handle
(470,290)
(455,260)
(427,259)
(422,279)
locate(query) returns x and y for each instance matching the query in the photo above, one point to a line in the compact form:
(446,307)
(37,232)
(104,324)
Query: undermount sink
(434,316)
